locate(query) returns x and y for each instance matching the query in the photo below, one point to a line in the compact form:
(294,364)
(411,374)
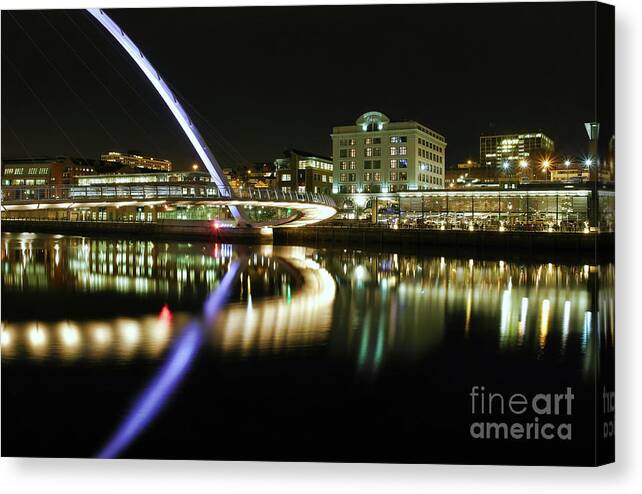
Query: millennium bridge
(302,208)
(112,201)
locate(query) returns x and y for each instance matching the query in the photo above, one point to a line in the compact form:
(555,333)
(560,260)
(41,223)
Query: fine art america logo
(541,416)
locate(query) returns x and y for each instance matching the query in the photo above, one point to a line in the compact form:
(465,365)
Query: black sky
(265,79)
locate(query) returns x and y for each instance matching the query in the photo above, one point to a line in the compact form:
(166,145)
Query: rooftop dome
(372,120)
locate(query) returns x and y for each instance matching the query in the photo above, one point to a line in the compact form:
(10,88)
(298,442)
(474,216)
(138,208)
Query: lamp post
(523,164)
(546,165)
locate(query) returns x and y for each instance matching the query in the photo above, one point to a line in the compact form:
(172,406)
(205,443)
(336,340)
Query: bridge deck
(310,207)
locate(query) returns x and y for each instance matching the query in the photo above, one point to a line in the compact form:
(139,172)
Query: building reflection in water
(370,308)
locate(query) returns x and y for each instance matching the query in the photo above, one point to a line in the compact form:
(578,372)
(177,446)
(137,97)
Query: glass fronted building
(553,207)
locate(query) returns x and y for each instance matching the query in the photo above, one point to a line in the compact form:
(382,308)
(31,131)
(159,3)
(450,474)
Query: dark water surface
(318,354)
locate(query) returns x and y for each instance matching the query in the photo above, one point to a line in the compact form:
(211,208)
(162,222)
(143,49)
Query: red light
(165,314)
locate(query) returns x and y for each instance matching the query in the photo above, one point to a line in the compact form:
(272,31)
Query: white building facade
(376,156)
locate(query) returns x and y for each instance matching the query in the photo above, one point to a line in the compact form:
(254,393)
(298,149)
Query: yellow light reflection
(37,337)
(70,339)
(128,335)
(543,326)
(7,338)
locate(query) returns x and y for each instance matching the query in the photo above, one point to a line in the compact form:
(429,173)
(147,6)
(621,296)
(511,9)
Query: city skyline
(259,128)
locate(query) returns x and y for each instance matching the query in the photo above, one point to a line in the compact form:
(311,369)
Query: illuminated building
(261,176)
(300,171)
(145,178)
(137,161)
(571,173)
(511,149)
(377,156)
(185,183)
(468,165)
(40,172)
(258,175)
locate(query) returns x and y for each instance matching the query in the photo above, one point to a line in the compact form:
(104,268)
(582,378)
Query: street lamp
(194,167)
(546,164)
(505,165)
(523,164)
(567,163)
(588,162)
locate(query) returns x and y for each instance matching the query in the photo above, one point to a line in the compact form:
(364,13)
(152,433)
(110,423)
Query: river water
(110,347)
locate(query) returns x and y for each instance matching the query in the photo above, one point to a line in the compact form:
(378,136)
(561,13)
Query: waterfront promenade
(537,244)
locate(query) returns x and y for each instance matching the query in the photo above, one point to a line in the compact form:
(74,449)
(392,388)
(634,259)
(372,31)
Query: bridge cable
(73,50)
(17,138)
(84,104)
(217,135)
(234,158)
(234,154)
(73,144)
(118,72)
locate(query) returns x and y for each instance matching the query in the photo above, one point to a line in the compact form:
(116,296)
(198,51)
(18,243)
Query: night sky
(260,80)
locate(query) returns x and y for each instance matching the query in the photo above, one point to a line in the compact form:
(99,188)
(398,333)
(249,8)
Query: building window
(367,164)
(394,176)
(376,176)
(367,176)
(347,142)
(324,178)
(376,152)
(19,171)
(402,150)
(367,152)
(347,165)
(393,150)
(286,177)
(343,177)
(372,140)
(393,163)
(353,153)
(403,175)
(343,153)
(376,164)
(8,171)
(403,163)
(398,139)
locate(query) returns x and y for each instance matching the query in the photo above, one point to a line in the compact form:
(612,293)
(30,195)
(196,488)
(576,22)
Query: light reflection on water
(371,308)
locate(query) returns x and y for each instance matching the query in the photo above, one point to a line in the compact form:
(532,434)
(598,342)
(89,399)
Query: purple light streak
(154,397)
